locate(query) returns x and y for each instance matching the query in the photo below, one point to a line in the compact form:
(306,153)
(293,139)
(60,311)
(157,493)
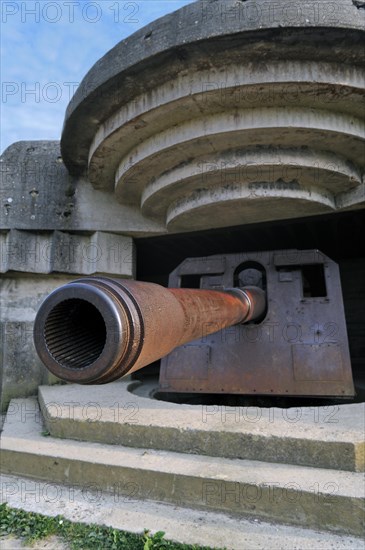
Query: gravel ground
(51,543)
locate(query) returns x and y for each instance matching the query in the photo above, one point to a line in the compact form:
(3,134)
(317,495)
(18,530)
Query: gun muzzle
(96,330)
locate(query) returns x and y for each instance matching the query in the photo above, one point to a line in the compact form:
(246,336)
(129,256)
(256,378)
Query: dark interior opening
(314,283)
(250,274)
(332,234)
(190,281)
(79,339)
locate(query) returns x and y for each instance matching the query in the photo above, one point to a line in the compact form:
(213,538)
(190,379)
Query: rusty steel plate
(300,345)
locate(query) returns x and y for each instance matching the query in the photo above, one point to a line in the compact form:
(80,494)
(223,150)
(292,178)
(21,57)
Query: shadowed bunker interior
(336,235)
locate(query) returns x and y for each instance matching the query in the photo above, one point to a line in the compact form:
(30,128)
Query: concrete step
(322,437)
(183,525)
(298,495)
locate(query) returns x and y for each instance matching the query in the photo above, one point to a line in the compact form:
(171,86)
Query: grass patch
(80,536)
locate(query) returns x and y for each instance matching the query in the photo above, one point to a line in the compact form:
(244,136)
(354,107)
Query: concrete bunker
(225,127)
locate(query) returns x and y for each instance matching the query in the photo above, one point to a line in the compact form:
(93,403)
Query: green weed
(79,536)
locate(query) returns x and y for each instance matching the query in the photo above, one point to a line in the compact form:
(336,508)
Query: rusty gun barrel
(95,330)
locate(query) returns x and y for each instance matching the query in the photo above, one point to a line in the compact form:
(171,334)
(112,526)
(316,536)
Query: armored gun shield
(299,345)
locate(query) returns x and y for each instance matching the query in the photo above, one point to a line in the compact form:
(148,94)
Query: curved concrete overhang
(228,112)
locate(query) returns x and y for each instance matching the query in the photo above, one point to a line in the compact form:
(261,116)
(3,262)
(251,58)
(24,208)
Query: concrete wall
(53,229)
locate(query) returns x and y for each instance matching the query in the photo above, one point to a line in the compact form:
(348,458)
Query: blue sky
(47,47)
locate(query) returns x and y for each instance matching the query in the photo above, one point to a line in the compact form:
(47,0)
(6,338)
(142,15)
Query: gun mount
(265,323)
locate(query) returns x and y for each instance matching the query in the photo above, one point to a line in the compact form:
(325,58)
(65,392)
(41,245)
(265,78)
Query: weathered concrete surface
(25,259)
(50,225)
(64,252)
(194,36)
(212,529)
(21,371)
(50,543)
(225,113)
(322,437)
(316,498)
(38,194)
